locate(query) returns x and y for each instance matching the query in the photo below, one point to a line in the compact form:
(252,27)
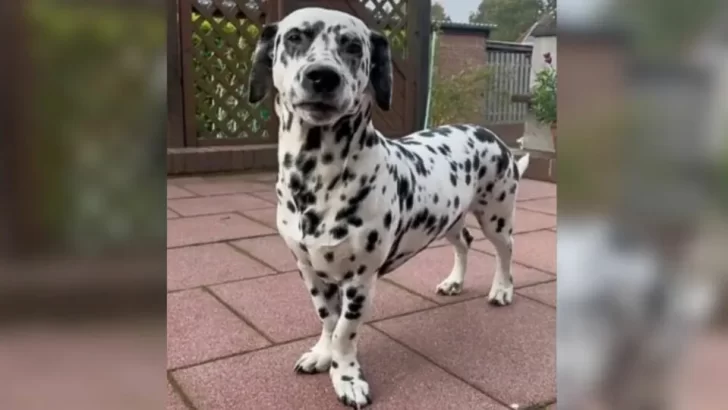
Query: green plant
(543,95)
(459,97)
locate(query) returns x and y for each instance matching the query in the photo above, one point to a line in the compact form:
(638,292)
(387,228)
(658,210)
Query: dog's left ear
(380,74)
(261,74)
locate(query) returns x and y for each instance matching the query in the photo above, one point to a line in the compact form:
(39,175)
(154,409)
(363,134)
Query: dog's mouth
(317,107)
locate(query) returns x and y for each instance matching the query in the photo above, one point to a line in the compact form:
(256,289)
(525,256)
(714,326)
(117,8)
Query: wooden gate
(216,42)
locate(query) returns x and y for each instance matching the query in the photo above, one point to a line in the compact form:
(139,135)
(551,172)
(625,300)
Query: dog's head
(321,62)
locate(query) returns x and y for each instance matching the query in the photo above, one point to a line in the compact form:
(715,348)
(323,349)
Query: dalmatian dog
(354,205)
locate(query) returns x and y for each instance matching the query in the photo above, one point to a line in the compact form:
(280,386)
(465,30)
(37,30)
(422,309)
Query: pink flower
(547,58)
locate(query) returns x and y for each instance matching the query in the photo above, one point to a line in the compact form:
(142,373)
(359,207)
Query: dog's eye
(354,48)
(294,37)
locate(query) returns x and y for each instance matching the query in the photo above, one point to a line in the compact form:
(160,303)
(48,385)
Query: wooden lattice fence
(223,36)
(211,59)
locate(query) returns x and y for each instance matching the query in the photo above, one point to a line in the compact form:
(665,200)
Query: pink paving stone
(509,352)
(265,216)
(545,293)
(174,192)
(185,180)
(212,228)
(534,249)
(172,214)
(526,221)
(547,205)
(271,250)
(700,382)
(200,328)
(264,380)
(174,401)
(271,196)
(216,204)
(226,186)
(209,264)
(532,189)
(425,271)
(281,307)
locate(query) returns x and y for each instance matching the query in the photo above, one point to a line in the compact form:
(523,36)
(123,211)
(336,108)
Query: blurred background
(82,194)
(642,228)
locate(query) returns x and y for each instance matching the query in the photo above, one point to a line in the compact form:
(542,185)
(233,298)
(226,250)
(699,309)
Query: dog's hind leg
(453,284)
(327,301)
(498,228)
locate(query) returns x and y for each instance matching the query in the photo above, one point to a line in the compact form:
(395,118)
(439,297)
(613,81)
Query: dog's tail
(522,164)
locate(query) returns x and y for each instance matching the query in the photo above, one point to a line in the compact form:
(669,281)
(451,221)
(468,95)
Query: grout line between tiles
(538,198)
(444,369)
(251,256)
(537,211)
(537,301)
(178,389)
(236,354)
(227,282)
(238,315)
(240,238)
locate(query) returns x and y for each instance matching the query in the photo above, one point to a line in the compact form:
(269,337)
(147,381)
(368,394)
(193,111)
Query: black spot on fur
(387,219)
(331,290)
(501,224)
(467,236)
(323,313)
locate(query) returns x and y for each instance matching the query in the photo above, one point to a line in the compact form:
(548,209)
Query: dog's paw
(449,287)
(316,360)
(349,384)
(501,295)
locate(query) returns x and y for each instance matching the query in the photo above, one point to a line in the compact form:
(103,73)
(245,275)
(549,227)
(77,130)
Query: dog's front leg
(327,301)
(346,373)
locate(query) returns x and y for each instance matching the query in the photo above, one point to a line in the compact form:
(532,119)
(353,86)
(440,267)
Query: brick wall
(458,51)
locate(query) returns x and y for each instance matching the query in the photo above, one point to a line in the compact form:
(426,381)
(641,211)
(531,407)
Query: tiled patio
(239,317)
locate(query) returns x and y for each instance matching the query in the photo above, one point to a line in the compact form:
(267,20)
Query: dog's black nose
(322,80)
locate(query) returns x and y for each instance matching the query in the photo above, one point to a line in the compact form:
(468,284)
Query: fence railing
(510,65)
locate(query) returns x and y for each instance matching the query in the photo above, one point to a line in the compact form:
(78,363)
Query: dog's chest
(331,224)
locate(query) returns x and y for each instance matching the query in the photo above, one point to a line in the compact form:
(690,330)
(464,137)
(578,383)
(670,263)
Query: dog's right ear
(261,74)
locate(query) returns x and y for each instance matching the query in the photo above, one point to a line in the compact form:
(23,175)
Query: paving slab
(508,352)
(212,228)
(173,192)
(264,380)
(216,204)
(265,216)
(280,306)
(174,401)
(201,265)
(532,189)
(224,186)
(270,249)
(547,206)
(200,328)
(425,271)
(545,293)
(268,196)
(172,214)
(535,249)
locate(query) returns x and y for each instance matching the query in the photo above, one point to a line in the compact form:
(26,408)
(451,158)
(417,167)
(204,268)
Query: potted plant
(543,96)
